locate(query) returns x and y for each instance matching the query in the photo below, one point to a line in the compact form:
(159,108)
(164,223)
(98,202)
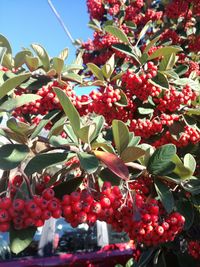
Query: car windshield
(65,239)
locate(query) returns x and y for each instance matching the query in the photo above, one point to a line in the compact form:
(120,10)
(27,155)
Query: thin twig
(61,22)
(135,166)
(27,183)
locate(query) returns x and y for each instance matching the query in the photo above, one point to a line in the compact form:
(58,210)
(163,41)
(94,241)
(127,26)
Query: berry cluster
(144,218)
(82,207)
(146,128)
(49,102)
(105,102)
(189,135)
(25,213)
(95,9)
(173,99)
(194,249)
(139,85)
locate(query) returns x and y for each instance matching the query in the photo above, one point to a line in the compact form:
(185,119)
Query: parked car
(66,246)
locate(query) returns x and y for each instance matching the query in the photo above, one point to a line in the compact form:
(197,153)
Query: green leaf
(57,127)
(45,120)
(64,54)
(130,263)
(12,83)
(160,163)
(104,146)
(120,134)
(133,140)
(115,31)
(123,102)
(8,61)
(143,31)
(43,56)
(132,153)
(167,62)
(18,101)
(145,111)
(126,49)
(151,43)
(12,155)
(72,77)
(193,111)
(144,58)
(115,164)
(118,76)
(67,187)
(182,171)
(160,80)
(32,62)
(108,175)
(88,162)
(70,133)
(163,51)
(2,53)
(195,85)
(58,64)
(99,122)
(5,43)
(186,209)
(42,161)
(20,58)
(20,127)
(96,71)
(192,186)
(145,257)
(58,141)
(21,239)
(72,67)
(189,162)
(181,69)
(165,195)
(85,133)
(108,67)
(171,74)
(69,109)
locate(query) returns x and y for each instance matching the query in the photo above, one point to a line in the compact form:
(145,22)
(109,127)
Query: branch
(61,21)
(135,166)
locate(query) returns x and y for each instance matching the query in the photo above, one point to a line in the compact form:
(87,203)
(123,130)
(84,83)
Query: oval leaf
(189,162)
(12,83)
(20,58)
(88,162)
(120,134)
(69,109)
(58,64)
(67,187)
(115,164)
(32,63)
(42,161)
(96,71)
(115,31)
(43,56)
(163,51)
(132,153)
(21,239)
(160,162)
(165,195)
(12,155)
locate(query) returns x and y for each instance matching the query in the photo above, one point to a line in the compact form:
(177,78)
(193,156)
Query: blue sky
(24,22)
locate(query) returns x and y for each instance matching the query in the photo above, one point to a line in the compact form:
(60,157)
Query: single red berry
(48,193)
